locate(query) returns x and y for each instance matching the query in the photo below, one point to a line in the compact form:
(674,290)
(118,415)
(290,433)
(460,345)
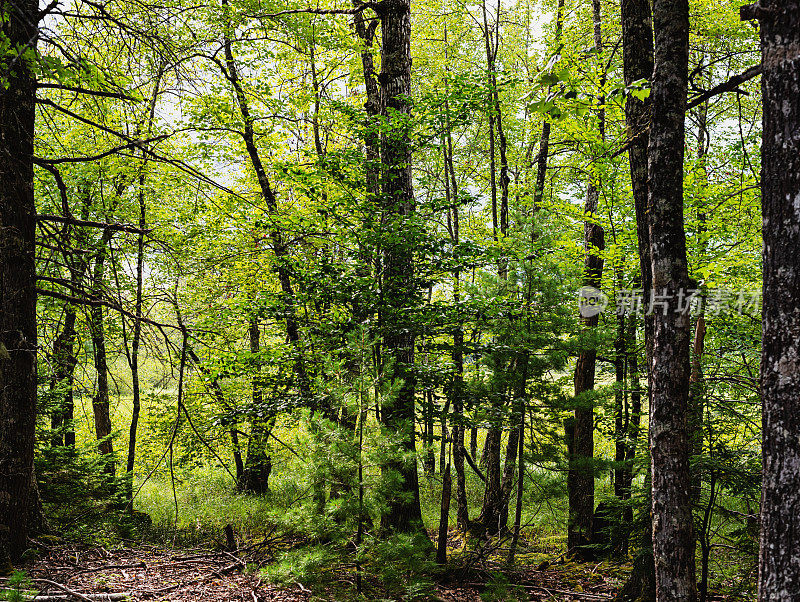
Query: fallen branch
(93,597)
(109,567)
(564,592)
(63,588)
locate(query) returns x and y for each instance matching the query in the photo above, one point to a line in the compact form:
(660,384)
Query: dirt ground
(149,573)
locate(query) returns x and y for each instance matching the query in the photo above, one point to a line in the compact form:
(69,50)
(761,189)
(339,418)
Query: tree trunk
(64,362)
(544,139)
(457,386)
(101,402)
(137,323)
(231,72)
(637,45)
(258,464)
(779,559)
(444,516)
(621,413)
(213,386)
(403,513)
(581,469)
(673,541)
(17,279)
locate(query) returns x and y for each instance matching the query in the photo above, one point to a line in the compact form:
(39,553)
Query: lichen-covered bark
(17,277)
(399,291)
(779,563)
(673,542)
(637,54)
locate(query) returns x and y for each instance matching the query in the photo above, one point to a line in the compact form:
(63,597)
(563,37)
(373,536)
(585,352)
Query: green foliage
(217,256)
(499,588)
(20,588)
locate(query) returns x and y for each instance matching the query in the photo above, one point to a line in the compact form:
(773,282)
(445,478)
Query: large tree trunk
(403,513)
(673,541)
(779,560)
(17,279)
(637,44)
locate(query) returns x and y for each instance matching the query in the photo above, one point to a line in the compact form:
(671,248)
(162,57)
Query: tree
(17,275)
(580,480)
(779,559)
(400,291)
(673,542)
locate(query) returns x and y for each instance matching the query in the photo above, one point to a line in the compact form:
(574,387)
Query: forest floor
(148,573)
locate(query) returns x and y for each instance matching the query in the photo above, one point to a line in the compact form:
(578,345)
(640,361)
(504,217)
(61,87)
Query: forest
(393,300)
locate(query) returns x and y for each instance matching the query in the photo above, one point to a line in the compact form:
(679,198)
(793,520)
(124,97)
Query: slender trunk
(445,439)
(779,559)
(231,72)
(544,139)
(17,278)
(705,537)
(581,470)
(520,490)
(492,116)
(258,464)
(137,323)
(213,386)
(457,387)
(64,362)
(518,431)
(430,453)
(673,540)
(444,516)
(695,402)
(101,402)
(633,427)
(696,394)
(621,416)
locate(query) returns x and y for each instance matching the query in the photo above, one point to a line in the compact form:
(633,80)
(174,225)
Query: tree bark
(403,513)
(637,52)
(779,559)
(673,541)
(64,362)
(17,278)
